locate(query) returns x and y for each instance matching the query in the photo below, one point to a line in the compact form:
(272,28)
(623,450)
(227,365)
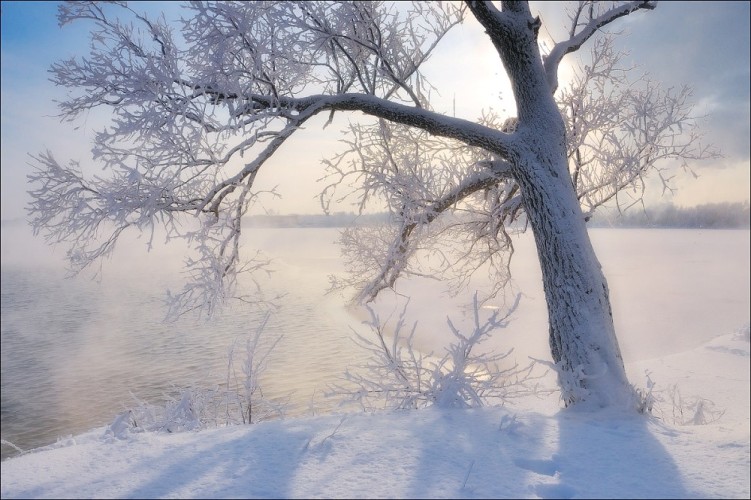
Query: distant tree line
(707,216)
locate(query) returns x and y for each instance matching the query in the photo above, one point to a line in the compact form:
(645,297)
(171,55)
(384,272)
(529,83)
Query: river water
(76,352)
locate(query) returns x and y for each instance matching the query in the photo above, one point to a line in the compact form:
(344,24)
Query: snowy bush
(399,377)
(184,412)
(249,403)
(671,406)
(239,401)
(689,410)
(645,397)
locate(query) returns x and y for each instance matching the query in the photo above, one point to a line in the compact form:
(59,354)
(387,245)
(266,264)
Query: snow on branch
(586,20)
(621,130)
(90,216)
(190,101)
(421,178)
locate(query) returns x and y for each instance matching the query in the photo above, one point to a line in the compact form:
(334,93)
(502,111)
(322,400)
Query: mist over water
(76,352)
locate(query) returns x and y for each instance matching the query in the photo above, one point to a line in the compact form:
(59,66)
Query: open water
(76,352)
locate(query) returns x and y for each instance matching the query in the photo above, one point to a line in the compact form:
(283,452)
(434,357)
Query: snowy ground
(529,449)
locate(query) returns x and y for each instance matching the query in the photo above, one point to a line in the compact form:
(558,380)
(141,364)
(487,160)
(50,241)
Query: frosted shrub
(645,397)
(671,406)
(249,403)
(399,377)
(185,412)
(691,410)
(239,401)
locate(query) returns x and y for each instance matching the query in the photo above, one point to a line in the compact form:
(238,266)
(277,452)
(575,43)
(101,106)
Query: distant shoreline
(304,222)
(666,216)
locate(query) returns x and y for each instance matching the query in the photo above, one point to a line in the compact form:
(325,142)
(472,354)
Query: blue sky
(703,44)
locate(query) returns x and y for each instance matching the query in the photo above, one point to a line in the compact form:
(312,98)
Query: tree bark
(582,338)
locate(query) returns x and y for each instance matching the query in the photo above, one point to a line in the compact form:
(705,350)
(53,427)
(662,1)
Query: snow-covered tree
(199,107)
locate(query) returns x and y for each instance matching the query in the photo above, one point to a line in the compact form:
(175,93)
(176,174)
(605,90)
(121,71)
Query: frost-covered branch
(189,105)
(586,20)
(621,130)
(422,178)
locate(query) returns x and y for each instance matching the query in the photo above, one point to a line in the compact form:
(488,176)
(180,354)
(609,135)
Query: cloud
(706,46)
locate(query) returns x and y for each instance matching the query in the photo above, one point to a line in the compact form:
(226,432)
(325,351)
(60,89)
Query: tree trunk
(582,336)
